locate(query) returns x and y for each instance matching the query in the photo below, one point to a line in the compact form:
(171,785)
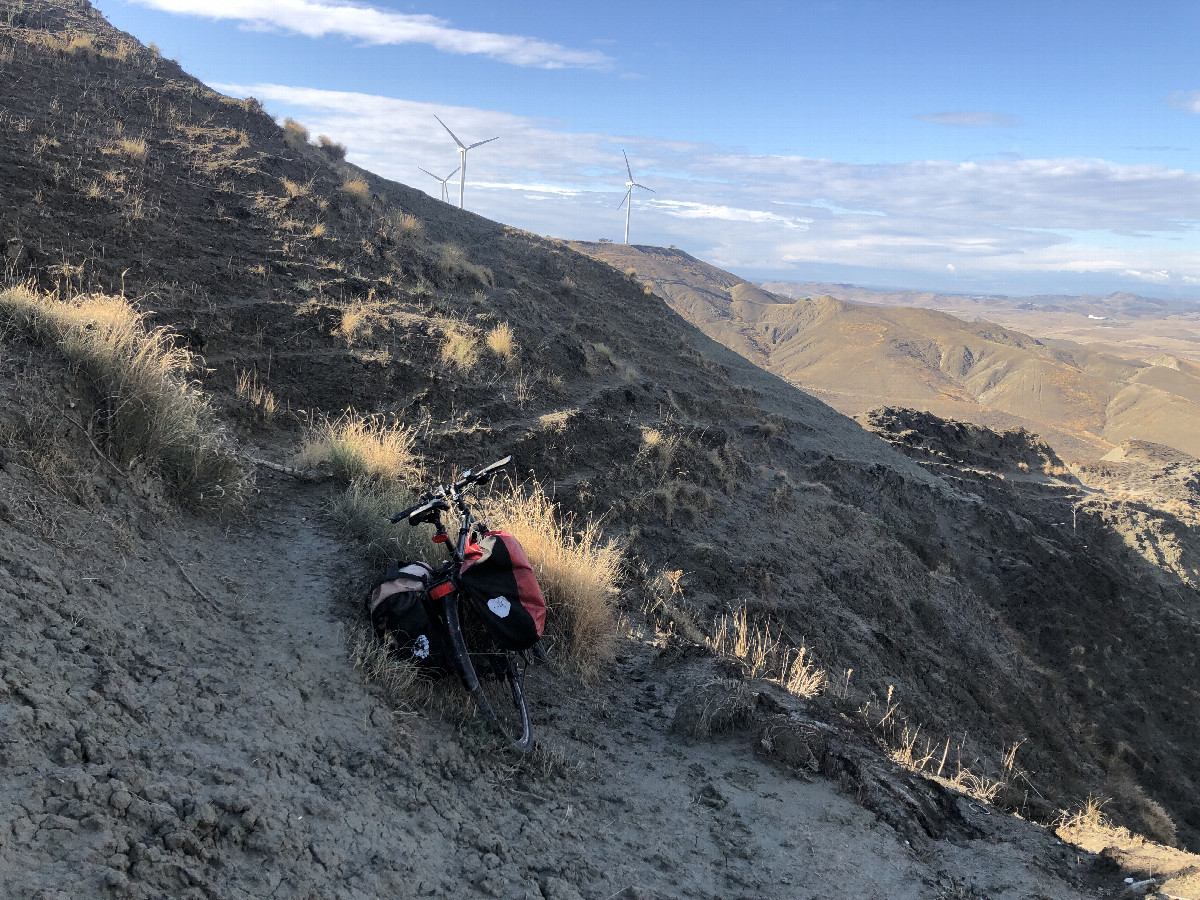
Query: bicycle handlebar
(435,501)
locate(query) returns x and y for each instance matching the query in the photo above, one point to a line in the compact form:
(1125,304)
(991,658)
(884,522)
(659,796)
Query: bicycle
(494,676)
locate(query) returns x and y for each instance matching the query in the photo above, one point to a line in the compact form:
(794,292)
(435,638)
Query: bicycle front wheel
(495,677)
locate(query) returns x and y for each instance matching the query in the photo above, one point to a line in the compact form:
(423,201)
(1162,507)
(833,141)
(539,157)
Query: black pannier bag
(397,610)
(501,585)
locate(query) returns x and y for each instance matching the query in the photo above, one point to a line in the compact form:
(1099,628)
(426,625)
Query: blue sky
(963,146)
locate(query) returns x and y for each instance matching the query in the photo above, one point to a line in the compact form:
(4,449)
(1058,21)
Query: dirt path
(157,743)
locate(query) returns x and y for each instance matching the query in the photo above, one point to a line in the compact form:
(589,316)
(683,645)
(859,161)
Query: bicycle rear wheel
(495,677)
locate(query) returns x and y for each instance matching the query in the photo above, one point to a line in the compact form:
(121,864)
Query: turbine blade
(480,143)
(451,175)
(623,199)
(643,187)
(627,169)
(430,174)
(451,133)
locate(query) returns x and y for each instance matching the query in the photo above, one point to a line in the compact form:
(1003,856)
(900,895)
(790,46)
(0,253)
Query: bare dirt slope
(855,356)
(965,601)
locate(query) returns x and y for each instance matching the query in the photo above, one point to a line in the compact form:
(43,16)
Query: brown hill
(855,356)
(180,717)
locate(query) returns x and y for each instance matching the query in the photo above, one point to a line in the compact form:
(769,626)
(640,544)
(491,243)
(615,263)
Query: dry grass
(361,513)
(403,228)
(358,189)
(361,448)
(577,568)
(454,263)
(152,413)
(258,398)
(330,147)
(459,349)
(358,321)
(764,656)
(134,148)
(81,43)
(294,133)
(500,341)
(296,190)
(402,681)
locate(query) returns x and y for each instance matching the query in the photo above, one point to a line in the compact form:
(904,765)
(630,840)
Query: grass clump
(134,148)
(500,341)
(358,448)
(576,568)
(402,228)
(330,147)
(294,133)
(151,413)
(459,349)
(260,401)
(358,189)
(360,513)
(764,656)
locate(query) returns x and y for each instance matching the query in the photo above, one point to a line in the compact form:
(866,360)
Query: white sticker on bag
(420,648)
(500,606)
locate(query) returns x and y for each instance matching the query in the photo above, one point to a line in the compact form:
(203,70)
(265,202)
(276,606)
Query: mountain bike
(494,676)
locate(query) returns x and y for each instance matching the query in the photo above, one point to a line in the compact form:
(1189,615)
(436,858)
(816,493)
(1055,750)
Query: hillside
(1121,323)
(855,356)
(182,716)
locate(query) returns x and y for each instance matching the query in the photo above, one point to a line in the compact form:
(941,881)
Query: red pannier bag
(503,588)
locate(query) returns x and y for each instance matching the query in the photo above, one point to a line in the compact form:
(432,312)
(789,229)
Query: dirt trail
(157,743)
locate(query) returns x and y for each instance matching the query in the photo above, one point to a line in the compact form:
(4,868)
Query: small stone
(120,800)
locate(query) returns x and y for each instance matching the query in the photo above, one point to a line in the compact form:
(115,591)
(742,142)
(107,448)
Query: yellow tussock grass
(578,569)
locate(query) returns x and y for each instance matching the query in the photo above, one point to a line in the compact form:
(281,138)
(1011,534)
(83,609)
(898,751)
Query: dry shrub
(358,189)
(152,413)
(500,341)
(460,349)
(318,230)
(361,448)
(576,567)
(295,133)
(330,147)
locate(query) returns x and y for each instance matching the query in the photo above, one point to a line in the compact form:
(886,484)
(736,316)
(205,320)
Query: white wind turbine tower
(441,181)
(628,201)
(462,156)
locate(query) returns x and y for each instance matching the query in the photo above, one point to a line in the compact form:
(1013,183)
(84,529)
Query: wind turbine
(441,181)
(462,156)
(629,186)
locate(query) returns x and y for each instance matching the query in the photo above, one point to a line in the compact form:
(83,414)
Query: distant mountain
(856,356)
(1119,303)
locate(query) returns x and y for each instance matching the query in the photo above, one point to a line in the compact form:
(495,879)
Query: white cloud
(970,119)
(371,25)
(1031,218)
(1189,100)
(687,210)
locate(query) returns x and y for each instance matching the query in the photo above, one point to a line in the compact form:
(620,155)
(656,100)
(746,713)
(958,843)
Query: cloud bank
(370,25)
(1033,224)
